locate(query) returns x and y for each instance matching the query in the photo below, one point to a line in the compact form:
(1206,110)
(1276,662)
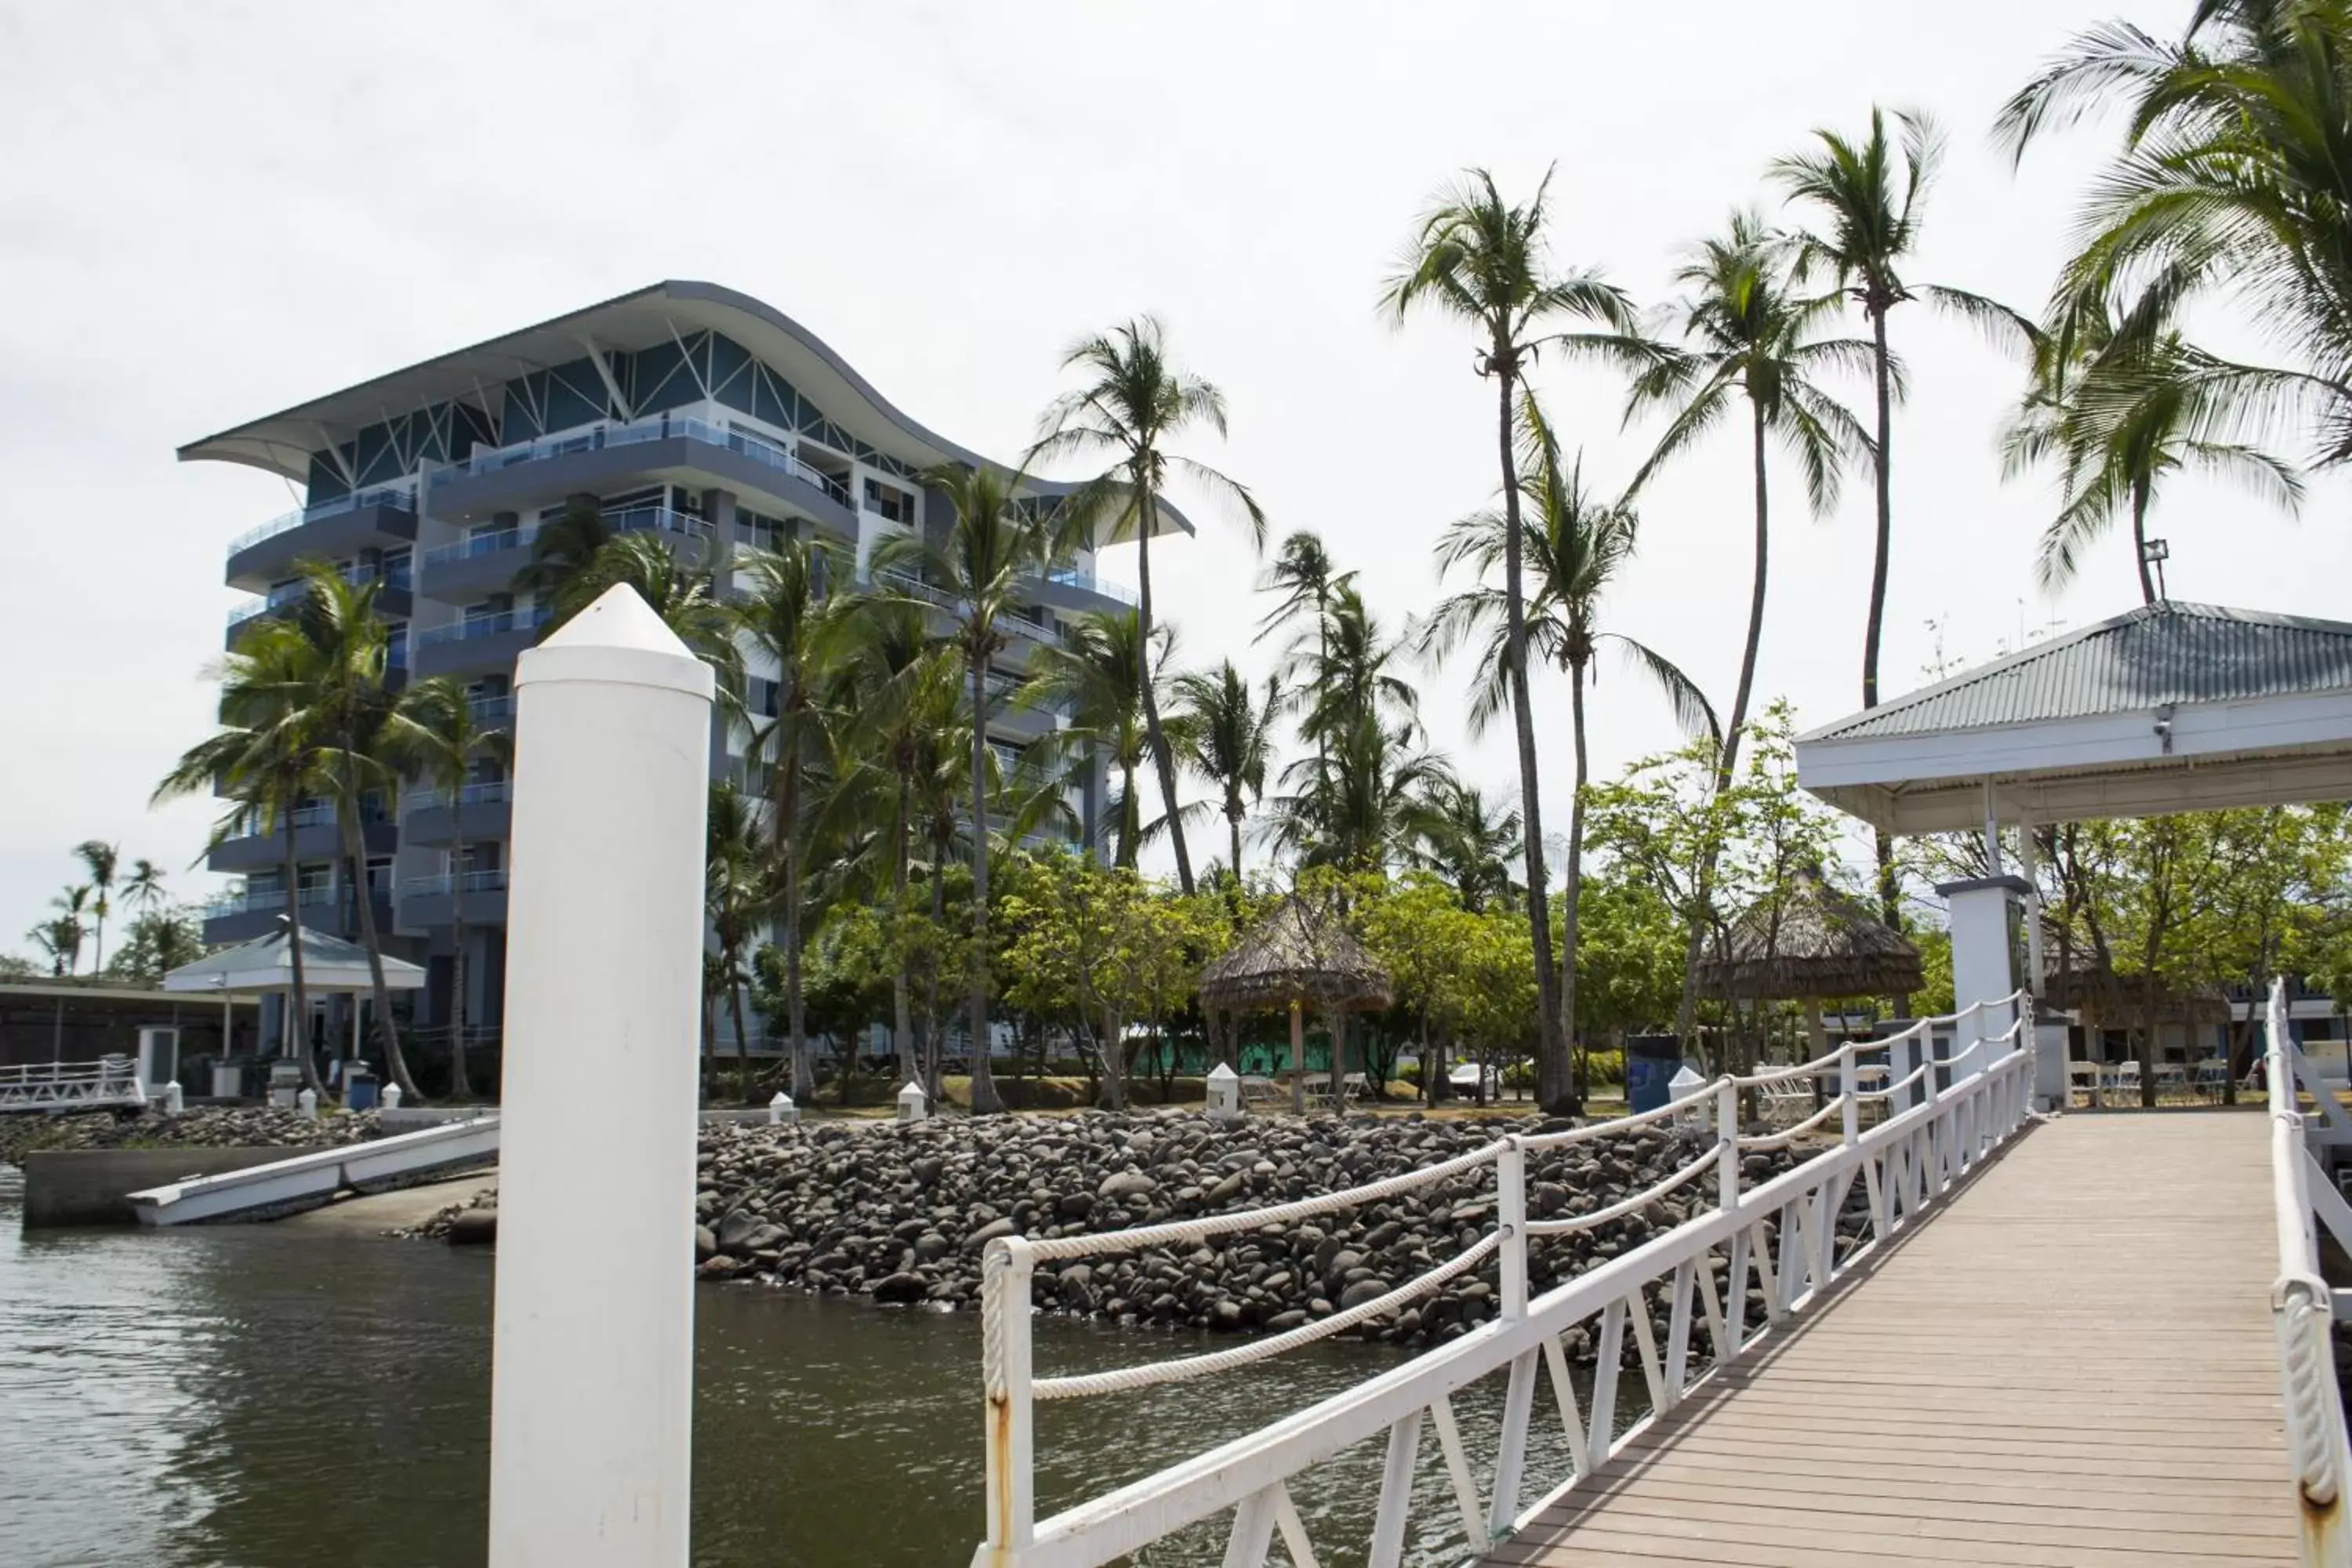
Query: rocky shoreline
(900,1214)
(249,1126)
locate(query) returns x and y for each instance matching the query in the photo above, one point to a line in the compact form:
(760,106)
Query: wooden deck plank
(2069,1363)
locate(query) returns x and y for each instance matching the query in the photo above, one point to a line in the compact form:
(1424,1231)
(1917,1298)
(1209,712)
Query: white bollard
(782,1109)
(591,1371)
(1225,1094)
(912,1106)
(1683,1086)
(306,1104)
(173,1101)
(392,1097)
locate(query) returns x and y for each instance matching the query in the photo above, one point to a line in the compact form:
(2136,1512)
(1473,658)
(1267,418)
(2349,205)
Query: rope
(1803,1070)
(996,1269)
(2306,1315)
(1898,1086)
(1154,1373)
(1688,1173)
(1195,1230)
(1765,1140)
(1533,1141)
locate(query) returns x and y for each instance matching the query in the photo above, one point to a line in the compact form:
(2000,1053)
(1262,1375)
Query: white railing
(399,498)
(2303,1309)
(50,1086)
(1939,1122)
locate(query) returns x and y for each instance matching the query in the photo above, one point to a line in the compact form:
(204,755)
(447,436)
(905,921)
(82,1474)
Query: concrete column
(593,1345)
(1984,966)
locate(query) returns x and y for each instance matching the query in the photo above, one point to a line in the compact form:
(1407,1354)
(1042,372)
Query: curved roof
(282,442)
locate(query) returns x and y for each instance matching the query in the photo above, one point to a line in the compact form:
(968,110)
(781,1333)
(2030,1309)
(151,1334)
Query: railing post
(1005,1289)
(1850,1116)
(1727,1146)
(1511,1215)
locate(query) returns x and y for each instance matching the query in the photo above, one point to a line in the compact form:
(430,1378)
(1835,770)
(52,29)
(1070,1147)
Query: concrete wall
(91,1186)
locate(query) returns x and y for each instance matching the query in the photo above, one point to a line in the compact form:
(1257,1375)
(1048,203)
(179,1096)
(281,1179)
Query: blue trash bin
(359,1091)
(1651,1063)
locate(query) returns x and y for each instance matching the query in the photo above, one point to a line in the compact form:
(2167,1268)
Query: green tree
(685,598)
(1469,841)
(563,552)
(71,904)
(442,746)
(157,942)
(59,939)
(143,888)
(737,896)
(1135,400)
(792,619)
(1096,676)
(99,858)
(1481,261)
(1305,575)
(1576,547)
(999,543)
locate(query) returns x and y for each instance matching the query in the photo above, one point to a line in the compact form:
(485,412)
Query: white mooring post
(912,1105)
(1685,1086)
(1225,1094)
(390,1099)
(783,1110)
(306,1104)
(591,1371)
(174,1102)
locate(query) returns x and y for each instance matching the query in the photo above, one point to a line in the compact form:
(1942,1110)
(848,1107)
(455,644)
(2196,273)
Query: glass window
(894,504)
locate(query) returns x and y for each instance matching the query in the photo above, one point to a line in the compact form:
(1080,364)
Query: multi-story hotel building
(683,407)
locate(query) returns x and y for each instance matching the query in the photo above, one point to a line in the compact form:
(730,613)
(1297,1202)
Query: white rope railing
(1788,1229)
(2302,1313)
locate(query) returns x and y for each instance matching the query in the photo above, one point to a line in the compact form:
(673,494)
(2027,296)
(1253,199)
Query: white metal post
(592,1375)
(1511,1215)
(1850,1115)
(1727,1144)
(1005,1271)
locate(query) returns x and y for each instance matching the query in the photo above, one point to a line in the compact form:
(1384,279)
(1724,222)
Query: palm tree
(265,760)
(1096,677)
(60,938)
(685,598)
(1747,326)
(1303,574)
(1480,260)
(736,862)
(1352,675)
(1364,803)
(897,680)
(790,617)
(563,551)
(144,890)
(1576,547)
(1134,402)
(442,745)
(1229,740)
(71,905)
(1470,842)
(998,545)
(2119,405)
(2232,177)
(99,857)
(354,721)
(1866,193)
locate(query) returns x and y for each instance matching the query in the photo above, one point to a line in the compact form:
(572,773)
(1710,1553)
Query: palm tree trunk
(1233,827)
(295,1033)
(2139,539)
(983,1086)
(1572,895)
(1163,760)
(742,1033)
(347,811)
(788,819)
(1131,824)
(1728,757)
(1552,1086)
(902,986)
(934,1027)
(1890,888)
(461,1085)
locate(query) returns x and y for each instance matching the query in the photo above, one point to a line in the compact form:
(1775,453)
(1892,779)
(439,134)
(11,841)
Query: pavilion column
(1297,1058)
(1984,966)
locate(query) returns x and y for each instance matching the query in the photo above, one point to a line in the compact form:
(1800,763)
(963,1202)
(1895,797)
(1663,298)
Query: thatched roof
(1818,942)
(2110,1000)
(1297,953)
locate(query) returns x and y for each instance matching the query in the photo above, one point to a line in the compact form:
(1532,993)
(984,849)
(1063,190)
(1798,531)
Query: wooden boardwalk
(2070,1364)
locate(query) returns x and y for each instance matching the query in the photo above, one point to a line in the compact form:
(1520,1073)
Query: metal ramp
(313,1177)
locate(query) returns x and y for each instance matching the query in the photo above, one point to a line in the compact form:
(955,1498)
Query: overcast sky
(209,212)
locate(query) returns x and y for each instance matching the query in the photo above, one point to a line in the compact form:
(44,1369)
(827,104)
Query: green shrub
(1407,1072)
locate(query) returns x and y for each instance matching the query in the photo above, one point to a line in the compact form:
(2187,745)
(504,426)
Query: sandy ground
(389,1211)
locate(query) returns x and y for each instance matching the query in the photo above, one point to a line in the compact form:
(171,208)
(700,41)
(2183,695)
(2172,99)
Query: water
(248,1396)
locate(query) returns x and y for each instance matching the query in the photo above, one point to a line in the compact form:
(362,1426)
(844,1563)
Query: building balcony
(1024,633)
(328,531)
(1077,588)
(467,646)
(492,713)
(317,836)
(604,457)
(429,901)
(393,600)
(431,819)
(243,917)
(487,563)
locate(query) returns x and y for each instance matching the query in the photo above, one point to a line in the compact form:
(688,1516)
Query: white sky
(209,213)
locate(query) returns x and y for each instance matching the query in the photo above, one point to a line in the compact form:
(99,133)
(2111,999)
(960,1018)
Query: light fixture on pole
(2155,552)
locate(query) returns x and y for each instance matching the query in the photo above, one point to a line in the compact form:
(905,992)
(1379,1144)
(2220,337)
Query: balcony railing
(1011,625)
(490,792)
(277,598)
(266,900)
(461,881)
(1079,577)
(397,497)
(480,544)
(656,428)
(491,709)
(499,625)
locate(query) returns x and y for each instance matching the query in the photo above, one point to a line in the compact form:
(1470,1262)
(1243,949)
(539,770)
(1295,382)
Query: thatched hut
(1299,955)
(1812,942)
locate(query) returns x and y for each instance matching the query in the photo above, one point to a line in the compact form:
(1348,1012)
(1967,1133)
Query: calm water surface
(249,1396)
